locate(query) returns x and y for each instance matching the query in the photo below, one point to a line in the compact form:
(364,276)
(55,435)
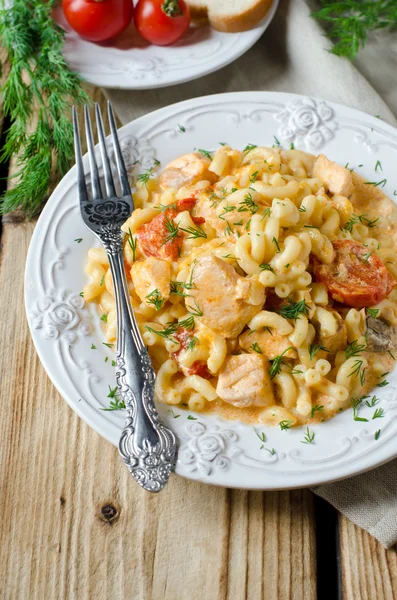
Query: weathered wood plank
(368,570)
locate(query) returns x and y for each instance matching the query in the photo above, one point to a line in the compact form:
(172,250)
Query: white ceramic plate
(131,63)
(225,453)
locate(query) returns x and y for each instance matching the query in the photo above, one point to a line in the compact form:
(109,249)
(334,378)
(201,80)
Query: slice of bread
(198,9)
(236,15)
(231,16)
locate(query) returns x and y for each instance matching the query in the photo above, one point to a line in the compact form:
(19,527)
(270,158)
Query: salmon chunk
(185,170)
(225,301)
(270,344)
(337,178)
(244,381)
(150,275)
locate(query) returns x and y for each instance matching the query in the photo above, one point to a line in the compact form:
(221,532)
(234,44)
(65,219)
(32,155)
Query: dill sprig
(194,232)
(143,178)
(355,404)
(317,408)
(38,94)
(266,267)
(314,348)
(354,349)
(354,219)
(116,403)
(156,299)
(286,424)
(172,228)
(249,147)
(132,243)
(248,205)
(351,21)
(276,363)
(293,310)
(256,348)
(308,437)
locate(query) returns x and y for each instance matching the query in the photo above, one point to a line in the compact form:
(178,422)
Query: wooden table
(74,525)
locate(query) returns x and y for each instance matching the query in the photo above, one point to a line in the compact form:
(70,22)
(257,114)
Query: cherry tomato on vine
(98,20)
(162,22)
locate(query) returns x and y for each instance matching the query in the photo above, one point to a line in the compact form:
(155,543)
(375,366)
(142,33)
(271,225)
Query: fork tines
(97,193)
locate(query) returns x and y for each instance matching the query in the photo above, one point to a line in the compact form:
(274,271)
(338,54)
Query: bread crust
(199,13)
(243,21)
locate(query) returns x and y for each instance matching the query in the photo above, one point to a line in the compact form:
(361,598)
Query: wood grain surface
(369,571)
(75,526)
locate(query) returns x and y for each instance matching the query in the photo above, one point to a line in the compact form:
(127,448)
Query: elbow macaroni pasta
(264,215)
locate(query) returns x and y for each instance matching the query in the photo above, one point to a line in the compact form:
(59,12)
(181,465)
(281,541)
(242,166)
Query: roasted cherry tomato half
(98,20)
(162,22)
(356,276)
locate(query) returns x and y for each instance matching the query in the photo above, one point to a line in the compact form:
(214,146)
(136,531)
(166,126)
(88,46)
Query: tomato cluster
(161,22)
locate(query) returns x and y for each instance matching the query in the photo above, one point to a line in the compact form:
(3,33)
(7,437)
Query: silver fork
(147,447)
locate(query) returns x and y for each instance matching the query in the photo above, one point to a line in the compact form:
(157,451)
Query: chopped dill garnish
(163,207)
(355,405)
(309,437)
(143,178)
(381,183)
(132,243)
(383,383)
(266,267)
(317,408)
(205,153)
(173,414)
(194,232)
(371,403)
(314,348)
(275,242)
(276,363)
(256,348)
(293,310)
(249,147)
(354,349)
(173,230)
(248,205)
(378,414)
(286,424)
(156,299)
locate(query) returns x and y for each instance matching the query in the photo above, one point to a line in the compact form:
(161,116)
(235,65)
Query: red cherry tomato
(356,277)
(98,20)
(162,22)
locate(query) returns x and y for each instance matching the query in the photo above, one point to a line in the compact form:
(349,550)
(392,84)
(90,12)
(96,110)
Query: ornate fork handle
(147,447)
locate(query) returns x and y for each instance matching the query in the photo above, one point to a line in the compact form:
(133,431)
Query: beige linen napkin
(292,57)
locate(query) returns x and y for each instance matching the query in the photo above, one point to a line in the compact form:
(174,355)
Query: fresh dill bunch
(38,94)
(350,22)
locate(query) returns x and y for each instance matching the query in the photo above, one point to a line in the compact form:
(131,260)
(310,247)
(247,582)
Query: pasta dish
(263,282)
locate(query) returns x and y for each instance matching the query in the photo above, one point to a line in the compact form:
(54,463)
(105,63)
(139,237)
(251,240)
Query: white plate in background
(131,63)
